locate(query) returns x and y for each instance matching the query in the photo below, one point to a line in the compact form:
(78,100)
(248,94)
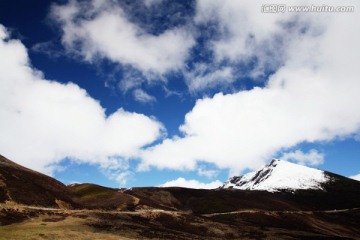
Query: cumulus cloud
(101,29)
(143,97)
(182,182)
(245,36)
(312,97)
(244,32)
(313,157)
(356,177)
(42,121)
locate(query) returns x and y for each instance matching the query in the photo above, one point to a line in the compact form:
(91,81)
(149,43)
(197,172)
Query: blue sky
(152,92)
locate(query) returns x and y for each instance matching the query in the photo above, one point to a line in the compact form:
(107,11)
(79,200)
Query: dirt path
(137,212)
(146,211)
(290,212)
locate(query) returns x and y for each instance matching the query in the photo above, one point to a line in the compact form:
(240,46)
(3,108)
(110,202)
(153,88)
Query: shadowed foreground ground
(21,222)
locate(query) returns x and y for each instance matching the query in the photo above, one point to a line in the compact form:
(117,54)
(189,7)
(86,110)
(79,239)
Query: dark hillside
(26,186)
(93,196)
(341,193)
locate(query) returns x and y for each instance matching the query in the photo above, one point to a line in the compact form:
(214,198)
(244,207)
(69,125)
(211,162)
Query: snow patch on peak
(279,175)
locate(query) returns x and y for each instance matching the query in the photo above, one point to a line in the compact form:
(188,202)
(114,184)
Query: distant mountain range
(280,200)
(29,187)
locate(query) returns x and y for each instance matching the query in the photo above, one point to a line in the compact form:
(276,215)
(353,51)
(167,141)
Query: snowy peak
(279,175)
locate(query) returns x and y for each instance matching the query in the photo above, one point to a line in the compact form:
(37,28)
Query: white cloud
(200,79)
(47,48)
(207,173)
(356,177)
(260,40)
(123,178)
(143,97)
(312,97)
(312,158)
(150,3)
(244,31)
(101,29)
(182,182)
(42,122)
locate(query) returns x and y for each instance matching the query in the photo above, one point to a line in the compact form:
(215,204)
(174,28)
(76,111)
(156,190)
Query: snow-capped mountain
(279,175)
